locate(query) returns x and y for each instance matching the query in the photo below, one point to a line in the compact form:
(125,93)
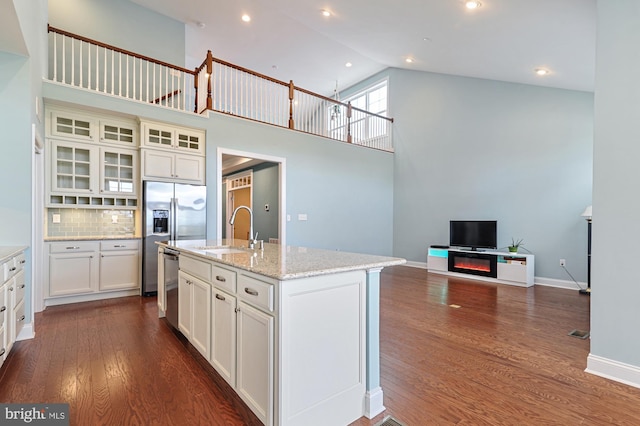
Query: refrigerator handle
(174,218)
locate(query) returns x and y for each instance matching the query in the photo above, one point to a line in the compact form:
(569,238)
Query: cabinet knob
(22,286)
(250,291)
(22,262)
(4,308)
(220,297)
(21,318)
(221,278)
(10,288)
(12,269)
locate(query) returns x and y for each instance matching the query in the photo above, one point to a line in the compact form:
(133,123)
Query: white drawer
(19,288)
(73,247)
(3,309)
(119,245)
(197,268)
(255,292)
(3,349)
(19,318)
(8,270)
(224,278)
(19,262)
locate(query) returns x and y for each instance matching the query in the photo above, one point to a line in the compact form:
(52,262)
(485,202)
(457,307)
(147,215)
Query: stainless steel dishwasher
(171,285)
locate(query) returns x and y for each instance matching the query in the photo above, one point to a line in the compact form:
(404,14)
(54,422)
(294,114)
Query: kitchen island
(293,330)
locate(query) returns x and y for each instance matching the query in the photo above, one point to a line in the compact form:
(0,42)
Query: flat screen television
(474,234)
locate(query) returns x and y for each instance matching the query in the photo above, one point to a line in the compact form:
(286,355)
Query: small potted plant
(513,248)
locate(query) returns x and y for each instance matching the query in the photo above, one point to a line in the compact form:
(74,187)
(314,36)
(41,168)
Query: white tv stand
(493,266)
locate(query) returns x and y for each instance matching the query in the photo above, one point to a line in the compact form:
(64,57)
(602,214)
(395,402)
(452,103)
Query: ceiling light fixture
(472,4)
(348,64)
(409,60)
(326,13)
(542,71)
(246,18)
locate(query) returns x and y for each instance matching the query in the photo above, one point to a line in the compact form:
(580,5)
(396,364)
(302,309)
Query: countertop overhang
(281,262)
(7,252)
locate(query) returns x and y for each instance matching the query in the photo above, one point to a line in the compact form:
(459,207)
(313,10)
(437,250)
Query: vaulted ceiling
(292,40)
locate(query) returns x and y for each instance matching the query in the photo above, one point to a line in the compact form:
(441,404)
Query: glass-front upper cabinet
(118,171)
(72,167)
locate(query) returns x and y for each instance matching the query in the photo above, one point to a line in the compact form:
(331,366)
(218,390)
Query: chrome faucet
(252,238)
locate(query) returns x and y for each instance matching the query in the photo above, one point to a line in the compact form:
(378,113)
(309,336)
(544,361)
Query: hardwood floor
(503,357)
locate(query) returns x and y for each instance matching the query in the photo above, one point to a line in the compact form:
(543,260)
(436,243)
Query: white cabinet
(118,171)
(172,166)
(91,270)
(254,380)
(223,335)
(73,268)
(12,302)
(89,176)
(73,167)
(119,132)
(165,136)
(119,265)
(68,124)
(194,312)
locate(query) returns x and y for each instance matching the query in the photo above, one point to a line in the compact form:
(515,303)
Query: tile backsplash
(90,223)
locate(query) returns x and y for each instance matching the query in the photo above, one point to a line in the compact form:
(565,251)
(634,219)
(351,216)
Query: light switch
(114,218)
(55,218)
(302,216)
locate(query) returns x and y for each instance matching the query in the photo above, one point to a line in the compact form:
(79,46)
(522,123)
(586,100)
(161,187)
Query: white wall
(616,227)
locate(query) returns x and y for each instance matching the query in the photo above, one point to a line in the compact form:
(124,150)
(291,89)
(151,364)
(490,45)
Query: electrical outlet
(563,262)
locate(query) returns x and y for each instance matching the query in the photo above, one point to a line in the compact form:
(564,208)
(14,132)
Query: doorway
(228,161)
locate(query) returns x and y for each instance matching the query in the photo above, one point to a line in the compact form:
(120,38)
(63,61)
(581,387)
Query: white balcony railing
(215,85)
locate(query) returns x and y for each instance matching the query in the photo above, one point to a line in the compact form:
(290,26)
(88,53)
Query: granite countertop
(93,238)
(282,262)
(7,252)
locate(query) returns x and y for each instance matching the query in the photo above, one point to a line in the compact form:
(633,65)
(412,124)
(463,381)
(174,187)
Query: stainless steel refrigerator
(172,211)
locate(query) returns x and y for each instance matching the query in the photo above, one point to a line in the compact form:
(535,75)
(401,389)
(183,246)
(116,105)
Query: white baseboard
(421,265)
(26,332)
(552,282)
(373,403)
(613,370)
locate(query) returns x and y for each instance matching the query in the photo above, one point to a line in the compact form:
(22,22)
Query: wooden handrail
(117,49)
(167,96)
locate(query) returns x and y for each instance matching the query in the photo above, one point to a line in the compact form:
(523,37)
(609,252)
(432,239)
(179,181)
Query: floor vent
(580,334)
(390,421)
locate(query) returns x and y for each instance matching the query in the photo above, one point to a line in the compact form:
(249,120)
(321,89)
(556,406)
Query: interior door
(240,229)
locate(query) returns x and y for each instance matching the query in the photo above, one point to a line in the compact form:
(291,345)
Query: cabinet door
(116,132)
(223,338)
(119,270)
(201,317)
(190,141)
(157,164)
(157,135)
(72,167)
(184,303)
(73,273)
(71,125)
(118,171)
(255,361)
(189,167)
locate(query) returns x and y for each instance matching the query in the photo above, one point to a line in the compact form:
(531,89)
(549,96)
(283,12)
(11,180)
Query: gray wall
(123,24)
(468,148)
(616,228)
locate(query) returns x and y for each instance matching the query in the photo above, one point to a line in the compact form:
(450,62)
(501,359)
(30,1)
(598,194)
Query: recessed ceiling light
(348,64)
(246,18)
(201,24)
(409,60)
(541,71)
(472,4)
(325,12)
